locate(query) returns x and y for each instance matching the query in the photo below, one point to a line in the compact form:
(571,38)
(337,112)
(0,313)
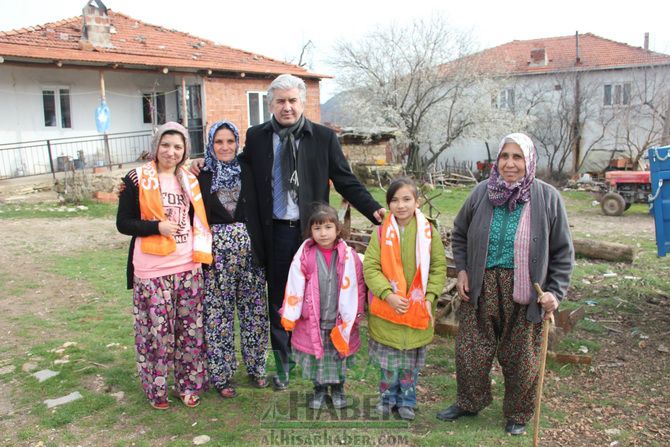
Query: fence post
(51,160)
(107,153)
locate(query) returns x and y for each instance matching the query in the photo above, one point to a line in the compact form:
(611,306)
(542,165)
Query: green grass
(42,210)
(446,203)
(99,320)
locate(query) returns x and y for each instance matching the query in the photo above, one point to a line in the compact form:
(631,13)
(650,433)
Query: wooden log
(569,358)
(450,286)
(445,328)
(608,251)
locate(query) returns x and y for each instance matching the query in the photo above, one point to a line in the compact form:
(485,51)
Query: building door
(194,111)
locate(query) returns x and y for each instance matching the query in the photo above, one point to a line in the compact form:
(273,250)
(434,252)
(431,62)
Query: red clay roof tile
(595,53)
(137,43)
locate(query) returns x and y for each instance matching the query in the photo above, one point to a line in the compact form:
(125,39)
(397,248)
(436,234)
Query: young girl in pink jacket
(323,304)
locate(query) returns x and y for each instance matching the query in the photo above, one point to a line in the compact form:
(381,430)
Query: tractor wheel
(613,204)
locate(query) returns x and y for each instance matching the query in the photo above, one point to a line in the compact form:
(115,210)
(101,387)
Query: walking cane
(543,361)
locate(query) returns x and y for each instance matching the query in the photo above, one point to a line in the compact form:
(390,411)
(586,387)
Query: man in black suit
(292,160)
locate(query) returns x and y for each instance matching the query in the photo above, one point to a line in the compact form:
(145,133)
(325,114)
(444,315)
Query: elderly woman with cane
(511,232)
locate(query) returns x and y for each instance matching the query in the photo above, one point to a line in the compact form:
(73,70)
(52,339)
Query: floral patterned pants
(234,281)
(169,333)
(497,325)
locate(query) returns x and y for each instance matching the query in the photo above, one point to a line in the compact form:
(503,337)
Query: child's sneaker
(406,413)
(337,396)
(384,409)
(319,398)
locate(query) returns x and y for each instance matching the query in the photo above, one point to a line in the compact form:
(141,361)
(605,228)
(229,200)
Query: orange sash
(151,208)
(417,315)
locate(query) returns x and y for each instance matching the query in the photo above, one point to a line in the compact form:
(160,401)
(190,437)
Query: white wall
(632,123)
(22,114)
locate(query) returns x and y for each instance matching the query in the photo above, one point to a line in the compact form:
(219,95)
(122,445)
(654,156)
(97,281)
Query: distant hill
(337,110)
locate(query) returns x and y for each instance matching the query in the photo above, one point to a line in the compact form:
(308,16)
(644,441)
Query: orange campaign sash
(151,208)
(417,315)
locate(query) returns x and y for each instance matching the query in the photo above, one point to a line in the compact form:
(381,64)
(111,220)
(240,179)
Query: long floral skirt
(169,333)
(234,281)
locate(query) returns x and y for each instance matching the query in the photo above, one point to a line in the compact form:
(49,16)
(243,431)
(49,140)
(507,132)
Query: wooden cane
(546,324)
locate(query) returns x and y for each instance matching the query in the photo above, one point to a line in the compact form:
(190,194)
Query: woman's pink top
(176,205)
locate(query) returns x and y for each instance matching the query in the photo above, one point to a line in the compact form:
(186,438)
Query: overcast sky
(279,30)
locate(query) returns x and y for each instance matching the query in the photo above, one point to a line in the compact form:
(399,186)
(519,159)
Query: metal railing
(28,158)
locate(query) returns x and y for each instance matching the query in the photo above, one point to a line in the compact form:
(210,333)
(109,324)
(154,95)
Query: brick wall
(227,99)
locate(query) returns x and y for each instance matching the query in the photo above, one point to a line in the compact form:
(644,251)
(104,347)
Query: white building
(53,76)
(584,99)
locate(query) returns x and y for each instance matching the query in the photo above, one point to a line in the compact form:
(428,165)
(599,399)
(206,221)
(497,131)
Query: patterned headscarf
(226,175)
(161,130)
(501,192)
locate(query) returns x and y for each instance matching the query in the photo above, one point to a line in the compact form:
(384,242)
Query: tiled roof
(596,53)
(136,43)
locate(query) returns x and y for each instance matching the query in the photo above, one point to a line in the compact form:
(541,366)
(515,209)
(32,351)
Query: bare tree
(302,61)
(404,83)
(559,108)
(640,113)
(305,57)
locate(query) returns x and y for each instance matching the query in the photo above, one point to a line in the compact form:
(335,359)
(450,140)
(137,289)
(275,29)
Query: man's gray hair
(287,82)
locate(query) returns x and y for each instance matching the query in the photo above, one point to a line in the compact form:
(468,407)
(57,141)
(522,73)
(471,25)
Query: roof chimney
(578,58)
(96,24)
(538,57)
(646,41)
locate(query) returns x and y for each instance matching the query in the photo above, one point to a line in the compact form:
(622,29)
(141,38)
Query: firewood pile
(450,179)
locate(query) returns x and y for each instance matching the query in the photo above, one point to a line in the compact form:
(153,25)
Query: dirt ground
(626,369)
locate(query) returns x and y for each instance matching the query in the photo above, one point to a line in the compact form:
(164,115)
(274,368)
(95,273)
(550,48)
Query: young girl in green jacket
(405,270)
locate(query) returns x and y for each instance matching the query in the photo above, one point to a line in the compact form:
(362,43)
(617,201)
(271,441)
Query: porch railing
(27,158)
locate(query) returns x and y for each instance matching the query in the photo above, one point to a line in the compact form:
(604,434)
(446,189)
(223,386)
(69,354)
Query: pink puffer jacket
(307,333)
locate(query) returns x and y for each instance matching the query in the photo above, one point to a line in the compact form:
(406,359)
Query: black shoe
(453,412)
(337,396)
(514,428)
(319,398)
(279,384)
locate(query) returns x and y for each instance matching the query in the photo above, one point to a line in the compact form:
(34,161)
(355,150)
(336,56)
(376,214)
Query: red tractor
(625,188)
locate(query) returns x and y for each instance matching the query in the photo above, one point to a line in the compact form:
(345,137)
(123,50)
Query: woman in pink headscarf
(511,232)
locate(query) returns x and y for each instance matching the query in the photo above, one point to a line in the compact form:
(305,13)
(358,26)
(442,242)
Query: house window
(56,104)
(504,100)
(153,108)
(616,94)
(259,111)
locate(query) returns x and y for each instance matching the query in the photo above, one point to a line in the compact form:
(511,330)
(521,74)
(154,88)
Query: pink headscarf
(500,191)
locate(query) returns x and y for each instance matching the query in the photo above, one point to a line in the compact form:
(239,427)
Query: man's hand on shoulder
(379,214)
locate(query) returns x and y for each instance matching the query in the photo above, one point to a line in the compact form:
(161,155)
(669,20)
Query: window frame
(501,100)
(617,94)
(153,108)
(263,110)
(62,113)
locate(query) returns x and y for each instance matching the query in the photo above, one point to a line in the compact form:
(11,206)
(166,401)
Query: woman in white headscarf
(511,232)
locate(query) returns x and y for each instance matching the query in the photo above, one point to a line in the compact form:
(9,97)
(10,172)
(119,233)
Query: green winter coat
(391,334)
